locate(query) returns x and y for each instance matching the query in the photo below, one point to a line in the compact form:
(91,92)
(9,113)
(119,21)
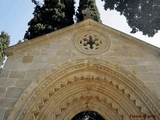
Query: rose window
(91,42)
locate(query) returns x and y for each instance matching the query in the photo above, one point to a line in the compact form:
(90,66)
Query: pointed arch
(85,84)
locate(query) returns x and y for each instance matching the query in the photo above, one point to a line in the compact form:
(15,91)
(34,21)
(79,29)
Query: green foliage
(4,43)
(21,41)
(141,15)
(56,14)
(69,11)
(83,5)
(50,16)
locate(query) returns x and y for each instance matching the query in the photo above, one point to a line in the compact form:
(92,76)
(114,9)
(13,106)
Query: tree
(69,11)
(141,15)
(50,16)
(4,43)
(90,4)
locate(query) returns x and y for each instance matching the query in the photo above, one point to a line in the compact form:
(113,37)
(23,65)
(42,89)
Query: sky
(15,15)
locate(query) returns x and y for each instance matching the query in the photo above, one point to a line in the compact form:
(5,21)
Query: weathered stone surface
(154,86)
(7,103)
(114,60)
(9,65)
(32,74)
(116,47)
(140,68)
(148,76)
(136,53)
(33,52)
(63,53)
(53,60)
(17,74)
(68,45)
(158,75)
(4,74)
(110,53)
(27,59)
(2,111)
(7,113)
(2,91)
(23,83)
(55,46)
(14,92)
(122,53)
(43,67)
(41,59)
(129,62)
(7,82)
(127,46)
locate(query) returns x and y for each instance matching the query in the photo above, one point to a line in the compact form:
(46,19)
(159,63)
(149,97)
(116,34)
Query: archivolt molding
(91,95)
(82,104)
(88,74)
(93,84)
(109,115)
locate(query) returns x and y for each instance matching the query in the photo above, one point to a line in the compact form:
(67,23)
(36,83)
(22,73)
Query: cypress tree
(35,24)
(50,16)
(69,11)
(4,43)
(87,4)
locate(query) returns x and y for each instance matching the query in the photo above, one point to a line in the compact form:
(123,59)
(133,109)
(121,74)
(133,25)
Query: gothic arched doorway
(85,85)
(88,115)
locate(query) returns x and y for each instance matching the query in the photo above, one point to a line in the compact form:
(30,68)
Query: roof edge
(20,46)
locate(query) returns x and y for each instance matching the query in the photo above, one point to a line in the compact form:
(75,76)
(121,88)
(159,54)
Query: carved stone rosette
(91,42)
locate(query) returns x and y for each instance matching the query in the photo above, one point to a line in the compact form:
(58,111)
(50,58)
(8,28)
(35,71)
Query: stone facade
(86,66)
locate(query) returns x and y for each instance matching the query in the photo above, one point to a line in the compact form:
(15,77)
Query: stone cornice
(84,24)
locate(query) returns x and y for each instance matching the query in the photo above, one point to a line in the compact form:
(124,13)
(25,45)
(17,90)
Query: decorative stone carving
(87,13)
(27,59)
(80,83)
(91,42)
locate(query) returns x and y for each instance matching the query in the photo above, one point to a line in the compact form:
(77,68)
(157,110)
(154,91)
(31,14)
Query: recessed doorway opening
(88,115)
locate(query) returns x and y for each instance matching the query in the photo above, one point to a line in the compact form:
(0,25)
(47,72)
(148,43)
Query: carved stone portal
(85,85)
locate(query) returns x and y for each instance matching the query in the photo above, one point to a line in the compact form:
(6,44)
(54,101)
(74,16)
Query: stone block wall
(27,65)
